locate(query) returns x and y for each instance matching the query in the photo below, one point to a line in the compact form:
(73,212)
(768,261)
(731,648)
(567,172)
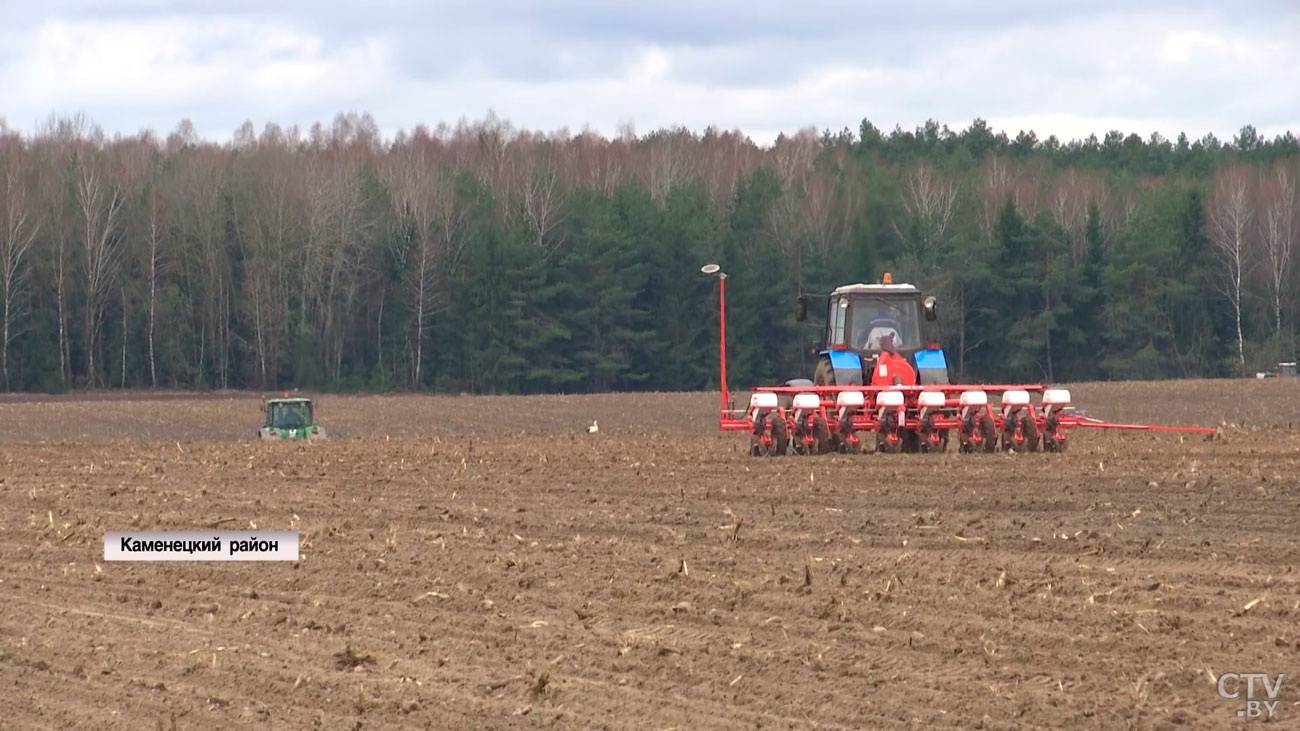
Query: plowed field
(484,562)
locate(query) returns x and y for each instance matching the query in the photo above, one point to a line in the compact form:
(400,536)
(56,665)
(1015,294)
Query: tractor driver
(877,323)
(282,416)
(878,328)
(290,416)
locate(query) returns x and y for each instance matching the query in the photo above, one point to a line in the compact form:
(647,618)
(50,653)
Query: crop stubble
(484,562)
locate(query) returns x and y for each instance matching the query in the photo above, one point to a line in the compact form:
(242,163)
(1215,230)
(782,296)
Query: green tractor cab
(289,418)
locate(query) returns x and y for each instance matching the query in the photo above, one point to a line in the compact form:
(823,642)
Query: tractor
(878,377)
(874,336)
(289,418)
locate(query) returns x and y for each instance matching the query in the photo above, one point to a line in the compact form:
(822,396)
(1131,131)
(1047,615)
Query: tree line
(484,258)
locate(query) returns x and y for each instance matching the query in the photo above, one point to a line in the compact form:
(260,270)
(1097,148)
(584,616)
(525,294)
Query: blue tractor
(871,326)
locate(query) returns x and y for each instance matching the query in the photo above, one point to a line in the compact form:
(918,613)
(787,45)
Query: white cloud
(123,72)
(759,67)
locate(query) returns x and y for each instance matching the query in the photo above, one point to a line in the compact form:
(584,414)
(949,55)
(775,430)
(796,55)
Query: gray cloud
(761,66)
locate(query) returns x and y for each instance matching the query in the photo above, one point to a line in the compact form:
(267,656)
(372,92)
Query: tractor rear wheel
(824,375)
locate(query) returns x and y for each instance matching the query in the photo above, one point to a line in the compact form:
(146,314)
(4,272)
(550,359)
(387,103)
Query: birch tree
(1231,216)
(99,204)
(1279,226)
(930,202)
(18,230)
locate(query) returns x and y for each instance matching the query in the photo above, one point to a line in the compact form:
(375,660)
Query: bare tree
(669,161)
(99,202)
(1027,186)
(408,176)
(794,160)
(342,253)
(1231,215)
(154,242)
(1069,198)
(136,164)
(17,232)
(1279,230)
(194,207)
(266,211)
(828,203)
(427,206)
(993,194)
(599,162)
(60,142)
(543,191)
(486,148)
(726,158)
(930,202)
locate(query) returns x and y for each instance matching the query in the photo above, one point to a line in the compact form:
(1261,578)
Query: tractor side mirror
(802,314)
(931,314)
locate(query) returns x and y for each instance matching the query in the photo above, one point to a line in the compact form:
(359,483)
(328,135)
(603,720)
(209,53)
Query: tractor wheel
(825,374)
(988,430)
(1029,429)
(780,435)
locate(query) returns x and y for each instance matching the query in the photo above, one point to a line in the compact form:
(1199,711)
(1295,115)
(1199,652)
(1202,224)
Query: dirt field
(485,563)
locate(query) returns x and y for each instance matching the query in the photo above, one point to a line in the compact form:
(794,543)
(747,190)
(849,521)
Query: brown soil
(485,563)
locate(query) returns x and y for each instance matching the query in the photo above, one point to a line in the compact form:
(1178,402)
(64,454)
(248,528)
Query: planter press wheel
(928,446)
(1053,445)
(988,430)
(821,433)
(780,435)
(1029,428)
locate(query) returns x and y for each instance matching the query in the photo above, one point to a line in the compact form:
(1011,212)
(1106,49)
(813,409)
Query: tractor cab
(868,325)
(289,418)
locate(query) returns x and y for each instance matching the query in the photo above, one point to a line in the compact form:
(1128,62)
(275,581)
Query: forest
(481,257)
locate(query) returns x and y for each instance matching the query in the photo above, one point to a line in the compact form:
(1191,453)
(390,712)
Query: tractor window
(876,316)
(836,321)
(290,416)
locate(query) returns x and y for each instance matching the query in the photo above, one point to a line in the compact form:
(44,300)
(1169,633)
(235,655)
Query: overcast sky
(759,66)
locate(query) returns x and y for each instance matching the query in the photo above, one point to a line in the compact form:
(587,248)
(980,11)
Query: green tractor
(289,418)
